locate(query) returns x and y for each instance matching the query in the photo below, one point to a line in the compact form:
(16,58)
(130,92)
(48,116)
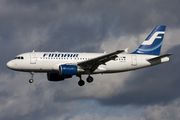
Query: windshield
(19,57)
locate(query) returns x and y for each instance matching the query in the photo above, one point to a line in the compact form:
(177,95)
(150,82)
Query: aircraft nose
(9,64)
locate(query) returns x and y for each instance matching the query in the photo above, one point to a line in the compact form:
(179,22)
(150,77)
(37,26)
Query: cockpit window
(19,57)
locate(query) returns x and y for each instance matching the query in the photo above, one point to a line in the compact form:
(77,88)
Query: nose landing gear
(32,75)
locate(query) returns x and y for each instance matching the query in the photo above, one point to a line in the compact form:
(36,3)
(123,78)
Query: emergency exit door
(134,60)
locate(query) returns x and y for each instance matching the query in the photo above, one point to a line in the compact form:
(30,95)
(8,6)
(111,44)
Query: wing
(92,64)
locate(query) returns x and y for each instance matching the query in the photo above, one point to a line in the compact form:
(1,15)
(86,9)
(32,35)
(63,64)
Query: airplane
(62,65)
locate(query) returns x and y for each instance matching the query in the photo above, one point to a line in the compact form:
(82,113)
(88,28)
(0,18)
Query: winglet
(126,50)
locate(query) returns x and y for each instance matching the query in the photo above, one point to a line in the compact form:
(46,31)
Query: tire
(89,79)
(31,81)
(81,83)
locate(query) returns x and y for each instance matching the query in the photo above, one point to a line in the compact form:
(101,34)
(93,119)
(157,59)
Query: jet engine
(68,69)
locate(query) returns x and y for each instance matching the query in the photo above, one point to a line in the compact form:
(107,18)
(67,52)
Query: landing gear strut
(81,82)
(32,75)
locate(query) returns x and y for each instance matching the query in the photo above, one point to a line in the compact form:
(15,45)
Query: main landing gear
(81,82)
(32,75)
(89,79)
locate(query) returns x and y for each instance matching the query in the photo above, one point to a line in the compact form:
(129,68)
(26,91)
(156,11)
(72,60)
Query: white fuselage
(50,61)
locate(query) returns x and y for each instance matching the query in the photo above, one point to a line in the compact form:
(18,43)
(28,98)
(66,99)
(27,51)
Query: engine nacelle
(68,70)
(57,77)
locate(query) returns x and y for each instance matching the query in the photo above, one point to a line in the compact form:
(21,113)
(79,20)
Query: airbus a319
(62,65)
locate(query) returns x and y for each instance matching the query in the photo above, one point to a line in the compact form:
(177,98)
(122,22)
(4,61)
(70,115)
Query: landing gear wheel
(81,83)
(31,81)
(89,79)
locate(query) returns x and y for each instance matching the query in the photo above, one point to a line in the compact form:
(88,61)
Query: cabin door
(134,60)
(33,58)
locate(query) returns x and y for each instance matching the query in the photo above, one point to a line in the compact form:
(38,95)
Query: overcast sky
(89,26)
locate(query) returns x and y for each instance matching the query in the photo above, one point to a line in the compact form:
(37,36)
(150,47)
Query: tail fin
(152,44)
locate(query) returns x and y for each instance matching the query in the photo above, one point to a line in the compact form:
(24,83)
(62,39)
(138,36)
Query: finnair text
(60,55)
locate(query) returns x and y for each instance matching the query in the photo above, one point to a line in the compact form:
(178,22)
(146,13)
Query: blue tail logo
(152,44)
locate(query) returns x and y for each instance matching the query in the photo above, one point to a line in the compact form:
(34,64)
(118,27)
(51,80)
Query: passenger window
(22,57)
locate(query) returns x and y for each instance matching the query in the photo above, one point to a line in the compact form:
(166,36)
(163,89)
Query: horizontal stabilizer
(159,57)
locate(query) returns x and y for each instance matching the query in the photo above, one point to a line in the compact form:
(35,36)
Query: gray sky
(89,26)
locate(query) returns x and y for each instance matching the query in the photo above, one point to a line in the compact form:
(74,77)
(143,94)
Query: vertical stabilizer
(152,44)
